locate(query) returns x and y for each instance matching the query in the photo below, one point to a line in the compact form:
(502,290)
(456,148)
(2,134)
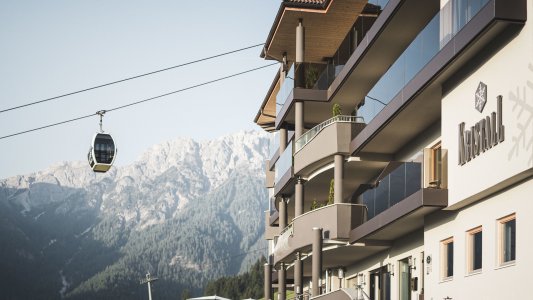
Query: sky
(49,48)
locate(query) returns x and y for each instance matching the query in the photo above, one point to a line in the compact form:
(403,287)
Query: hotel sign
(483,135)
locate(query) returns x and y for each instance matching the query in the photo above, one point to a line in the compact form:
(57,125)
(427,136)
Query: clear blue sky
(49,48)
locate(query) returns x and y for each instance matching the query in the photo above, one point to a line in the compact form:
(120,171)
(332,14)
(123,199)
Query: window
(380,281)
(474,249)
(507,239)
(447,259)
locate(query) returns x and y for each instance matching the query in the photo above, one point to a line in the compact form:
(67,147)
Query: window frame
(444,259)
(470,250)
(501,222)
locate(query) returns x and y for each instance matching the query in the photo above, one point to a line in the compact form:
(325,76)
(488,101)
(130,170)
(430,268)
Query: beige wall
(493,282)
(508,73)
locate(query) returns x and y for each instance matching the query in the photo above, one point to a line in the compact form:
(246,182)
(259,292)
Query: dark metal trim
(299,94)
(437,198)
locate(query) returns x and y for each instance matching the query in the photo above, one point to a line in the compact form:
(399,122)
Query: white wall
(493,282)
(410,245)
(508,73)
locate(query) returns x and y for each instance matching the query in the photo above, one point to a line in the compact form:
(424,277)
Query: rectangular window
(475,249)
(507,239)
(447,258)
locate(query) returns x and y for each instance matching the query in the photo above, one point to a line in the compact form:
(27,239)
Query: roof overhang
(266,116)
(326,24)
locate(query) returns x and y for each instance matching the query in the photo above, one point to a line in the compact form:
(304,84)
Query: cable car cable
(129,78)
(140,101)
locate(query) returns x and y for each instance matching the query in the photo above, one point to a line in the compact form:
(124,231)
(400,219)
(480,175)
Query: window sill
(474,272)
(447,279)
(506,265)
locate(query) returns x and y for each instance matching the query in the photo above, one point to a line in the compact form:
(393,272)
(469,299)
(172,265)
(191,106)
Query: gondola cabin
(102,152)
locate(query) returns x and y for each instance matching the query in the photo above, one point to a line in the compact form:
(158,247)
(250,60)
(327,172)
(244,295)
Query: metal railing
(313,132)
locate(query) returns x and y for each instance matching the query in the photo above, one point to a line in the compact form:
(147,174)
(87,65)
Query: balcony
(270,231)
(304,81)
(336,220)
(437,33)
(310,81)
(269,175)
(454,42)
(273,149)
(318,145)
(403,195)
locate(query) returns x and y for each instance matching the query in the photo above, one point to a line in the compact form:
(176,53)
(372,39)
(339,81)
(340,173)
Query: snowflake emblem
(481,96)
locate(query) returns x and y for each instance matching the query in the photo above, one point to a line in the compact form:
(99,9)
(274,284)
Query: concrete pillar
(339,174)
(298,197)
(316,270)
(298,275)
(298,119)
(282,140)
(268,282)
(282,213)
(300,42)
(282,289)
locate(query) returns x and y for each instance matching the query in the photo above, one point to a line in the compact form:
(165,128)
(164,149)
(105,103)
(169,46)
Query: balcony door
(380,284)
(405,280)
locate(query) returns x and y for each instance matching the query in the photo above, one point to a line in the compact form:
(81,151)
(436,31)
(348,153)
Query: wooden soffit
(325,29)
(266,116)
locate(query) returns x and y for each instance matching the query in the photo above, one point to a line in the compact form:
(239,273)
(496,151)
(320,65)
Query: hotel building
(402,149)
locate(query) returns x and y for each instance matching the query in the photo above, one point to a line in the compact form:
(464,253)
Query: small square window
(507,239)
(447,259)
(475,249)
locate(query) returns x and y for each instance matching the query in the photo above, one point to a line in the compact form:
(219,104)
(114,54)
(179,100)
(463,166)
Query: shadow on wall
(523,112)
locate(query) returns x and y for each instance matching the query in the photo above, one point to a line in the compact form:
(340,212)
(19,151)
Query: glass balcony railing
(398,185)
(406,179)
(285,89)
(437,33)
(380,3)
(304,75)
(313,132)
(284,163)
(273,144)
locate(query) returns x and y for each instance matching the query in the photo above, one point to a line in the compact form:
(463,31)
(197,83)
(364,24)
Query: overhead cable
(129,78)
(138,102)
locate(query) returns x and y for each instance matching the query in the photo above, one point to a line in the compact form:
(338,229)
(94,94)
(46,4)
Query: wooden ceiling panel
(325,29)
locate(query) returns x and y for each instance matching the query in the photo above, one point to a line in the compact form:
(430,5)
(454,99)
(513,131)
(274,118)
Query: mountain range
(185,211)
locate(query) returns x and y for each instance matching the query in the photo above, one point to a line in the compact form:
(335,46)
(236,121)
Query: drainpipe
(317,260)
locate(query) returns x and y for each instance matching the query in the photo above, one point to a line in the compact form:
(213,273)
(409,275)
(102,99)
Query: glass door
(405,280)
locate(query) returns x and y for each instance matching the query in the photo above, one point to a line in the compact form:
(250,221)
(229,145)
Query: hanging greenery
(331,195)
(337,111)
